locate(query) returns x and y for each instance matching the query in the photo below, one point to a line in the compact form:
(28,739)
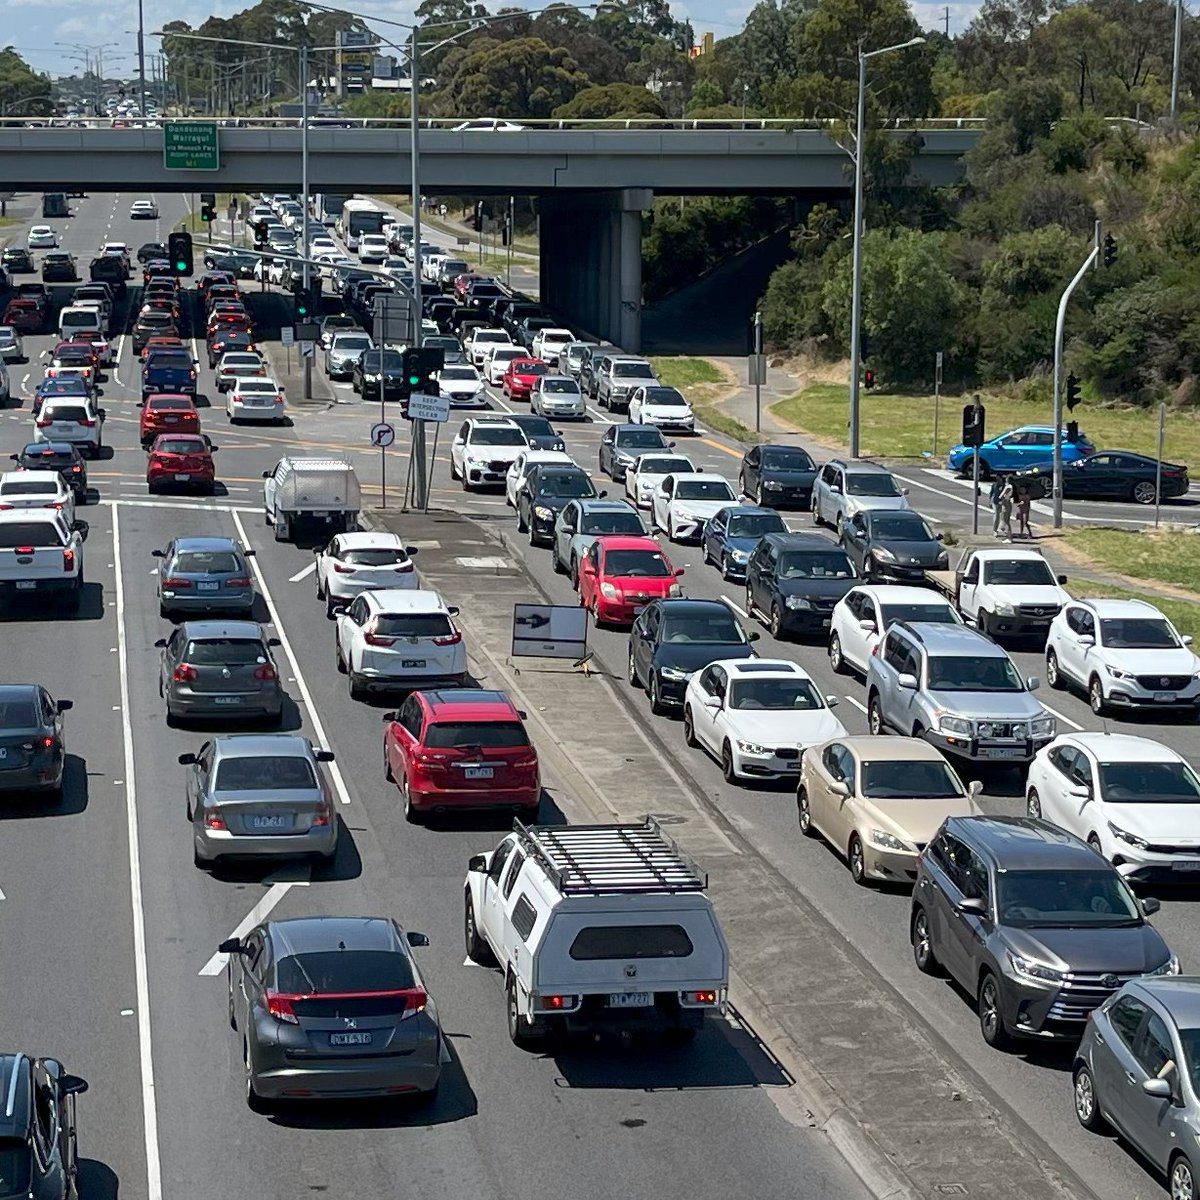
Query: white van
(596,927)
(79,318)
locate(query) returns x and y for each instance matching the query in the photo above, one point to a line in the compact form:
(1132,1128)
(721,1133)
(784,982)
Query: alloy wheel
(922,944)
(1144,493)
(1033,804)
(1052,675)
(803,811)
(856,861)
(836,662)
(1182,1184)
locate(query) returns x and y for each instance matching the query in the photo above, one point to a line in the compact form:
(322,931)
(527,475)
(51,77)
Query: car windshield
(753,525)
(485,735)
(1075,899)
(530,367)
(414,625)
(703,489)
(639,564)
(29,533)
(1149,783)
(180,446)
(959,673)
(569,485)
(934,613)
(708,628)
(537,426)
(16,1167)
(553,386)
(1028,571)
(18,714)
(775,695)
(497,435)
(492,337)
(903,527)
(504,355)
(612,522)
(343,971)
(1138,633)
(634,370)
(815,564)
(906,779)
(451,373)
(265,773)
(633,438)
(205,562)
(787,458)
(665,397)
(225,652)
(871,484)
(352,343)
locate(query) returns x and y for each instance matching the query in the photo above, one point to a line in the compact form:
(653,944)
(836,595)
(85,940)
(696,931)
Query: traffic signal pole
(420,473)
(1057,477)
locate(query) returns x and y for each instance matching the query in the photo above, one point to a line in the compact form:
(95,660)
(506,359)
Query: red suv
(619,576)
(163,413)
(461,749)
(520,376)
(181,460)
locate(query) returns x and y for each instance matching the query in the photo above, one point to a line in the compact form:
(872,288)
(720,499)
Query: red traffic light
(869,379)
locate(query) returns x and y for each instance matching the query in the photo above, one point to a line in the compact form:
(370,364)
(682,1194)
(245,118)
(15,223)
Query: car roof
(1105,607)
(1178,994)
(31,477)
(891,746)
(18,691)
(953,640)
(469,704)
(625,541)
(800,541)
(298,935)
(988,553)
(899,593)
(1122,747)
(259,745)
(404,600)
(16,1095)
(202,630)
(759,668)
(685,605)
(594,504)
(1024,843)
(370,539)
(863,468)
(207,543)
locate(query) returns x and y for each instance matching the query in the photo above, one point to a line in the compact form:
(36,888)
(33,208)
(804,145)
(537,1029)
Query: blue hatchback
(1018,449)
(731,533)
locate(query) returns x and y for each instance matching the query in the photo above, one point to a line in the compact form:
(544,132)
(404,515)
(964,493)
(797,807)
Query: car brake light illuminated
(374,639)
(238,581)
(185,673)
(68,560)
(343,570)
(706,997)
(176,585)
(266,671)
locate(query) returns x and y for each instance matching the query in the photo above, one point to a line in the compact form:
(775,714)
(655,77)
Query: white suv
(74,419)
(361,562)
(1135,800)
(483,449)
(1124,654)
(481,340)
(396,640)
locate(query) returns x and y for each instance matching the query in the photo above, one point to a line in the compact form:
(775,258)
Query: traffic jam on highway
(981,779)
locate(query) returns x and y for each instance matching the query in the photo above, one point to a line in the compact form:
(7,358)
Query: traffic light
(260,233)
(868,379)
(1073,396)
(972,425)
(1072,431)
(420,364)
(207,213)
(179,247)
(304,301)
(1110,249)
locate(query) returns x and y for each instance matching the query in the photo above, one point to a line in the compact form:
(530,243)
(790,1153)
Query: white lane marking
(862,708)
(600,416)
(1067,720)
(299,575)
(229,508)
(741,612)
(335,771)
(941,491)
(141,968)
(259,912)
(117,360)
(2,895)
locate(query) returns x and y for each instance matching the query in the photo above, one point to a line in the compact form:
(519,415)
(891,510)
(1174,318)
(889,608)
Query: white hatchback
(361,562)
(37,489)
(663,407)
(255,398)
(862,616)
(42,237)
(74,419)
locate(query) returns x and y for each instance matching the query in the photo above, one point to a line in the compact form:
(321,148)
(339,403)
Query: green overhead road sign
(190,146)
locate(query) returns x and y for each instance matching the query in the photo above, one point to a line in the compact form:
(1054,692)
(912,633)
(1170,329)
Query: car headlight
(1004,609)
(371,377)
(959,726)
(753,748)
(889,841)
(1029,969)
(740,556)
(1116,673)
(1131,839)
(675,673)
(624,459)
(773,486)
(543,513)
(675,590)
(1043,727)
(943,562)
(797,602)
(1170,967)
(609,592)
(884,553)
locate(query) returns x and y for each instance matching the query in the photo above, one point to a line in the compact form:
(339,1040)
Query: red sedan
(461,749)
(619,576)
(162,413)
(521,375)
(26,316)
(181,460)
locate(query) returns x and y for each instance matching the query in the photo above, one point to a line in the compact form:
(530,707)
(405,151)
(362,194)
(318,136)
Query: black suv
(1032,922)
(38,1142)
(379,374)
(549,488)
(63,457)
(793,581)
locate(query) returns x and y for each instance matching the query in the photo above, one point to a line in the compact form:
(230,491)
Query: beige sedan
(878,800)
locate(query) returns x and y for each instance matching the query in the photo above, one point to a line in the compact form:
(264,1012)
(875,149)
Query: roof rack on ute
(597,859)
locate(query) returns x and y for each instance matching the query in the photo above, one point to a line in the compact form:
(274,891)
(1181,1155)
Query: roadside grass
(1183,614)
(705,386)
(1156,556)
(901,426)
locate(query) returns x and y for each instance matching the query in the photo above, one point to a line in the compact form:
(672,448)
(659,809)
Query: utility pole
(421,474)
(947,20)
(308,360)
(1175,63)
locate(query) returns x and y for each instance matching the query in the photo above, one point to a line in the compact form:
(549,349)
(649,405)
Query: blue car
(730,535)
(55,388)
(169,371)
(1017,450)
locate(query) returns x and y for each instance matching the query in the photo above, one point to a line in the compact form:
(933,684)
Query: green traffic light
(180,267)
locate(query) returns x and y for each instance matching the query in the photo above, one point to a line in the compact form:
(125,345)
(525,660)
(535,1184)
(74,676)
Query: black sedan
(59,267)
(31,739)
(549,488)
(1110,475)
(63,457)
(379,371)
(37,1128)
(16,260)
(673,639)
(896,546)
(778,476)
(152,251)
(539,433)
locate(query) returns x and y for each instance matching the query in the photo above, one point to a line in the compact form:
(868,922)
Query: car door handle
(1131,1077)
(1100,1039)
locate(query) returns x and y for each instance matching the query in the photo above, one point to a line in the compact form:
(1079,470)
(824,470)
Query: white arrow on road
(299,575)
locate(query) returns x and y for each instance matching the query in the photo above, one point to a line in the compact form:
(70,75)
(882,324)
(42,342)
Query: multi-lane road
(110,932)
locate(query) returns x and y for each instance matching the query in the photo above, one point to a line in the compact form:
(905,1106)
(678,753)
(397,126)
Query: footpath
(861,1064)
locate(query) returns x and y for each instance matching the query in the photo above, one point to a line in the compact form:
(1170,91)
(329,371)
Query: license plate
(183,479)
(1190,864)
(26,585)
(227,699)
(637,608)
(630,1000)
(206,587)
(1002,752)
(1164,697)
(478,772)
(350,1039)
(268,822)
(826,622)
(412,663)
(171,420)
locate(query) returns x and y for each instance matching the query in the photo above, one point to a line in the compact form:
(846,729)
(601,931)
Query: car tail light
(55,506)
(76,467)
(214,820)
(45,743)
(240,581)
(375,639)
(705,997)
(343,570)
(322,818)
(185,673)
(176,585)
(557,1003)
(405,567)
(279,1006)
(68,560)
(86,422)
(43,422)
(526,763)
(266,671)
(451,640)
(7,507)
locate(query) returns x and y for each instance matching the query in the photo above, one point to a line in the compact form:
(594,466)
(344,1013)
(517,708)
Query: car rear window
(39,487)
(344,971)
(169,404)
(15,1168)
(66,412)
(203,562)
(374,557)
(263,773)
(425,625)
(488,735)
(631,941)
(180,446)
(18,713)
(29,533)
(225,652)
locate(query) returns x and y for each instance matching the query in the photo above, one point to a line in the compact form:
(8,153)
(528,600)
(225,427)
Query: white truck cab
(596,927)
(1009,592)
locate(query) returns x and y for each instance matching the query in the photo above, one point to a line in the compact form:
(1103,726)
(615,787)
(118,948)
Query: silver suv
(843,489)
(959,691)
(617,379)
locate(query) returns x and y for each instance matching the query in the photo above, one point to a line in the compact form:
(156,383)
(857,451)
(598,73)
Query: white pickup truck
(313,492)
(40,553)
(1004,591)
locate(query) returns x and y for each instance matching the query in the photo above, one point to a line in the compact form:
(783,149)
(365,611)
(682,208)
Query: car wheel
(632,674)
(1053,677)
(254,1101)
(728,769)
(1087,1106)
(1182,1181)
(1033,804)
(749,601)
(352,684)
(856,861)
(804,812)
(453,470)
(983,619)
(991,1022)
(726,566)
(574,572)
(532,532)
(689,729)
(411,814)
(816,513)
(478,951)
(1143,493)
(656,704)
(557,563)
(836,662)
(985,471)
(1096,699)
(521,526)
(387,767)
(1094,842)
(874,715)
(776,624)
(922,944)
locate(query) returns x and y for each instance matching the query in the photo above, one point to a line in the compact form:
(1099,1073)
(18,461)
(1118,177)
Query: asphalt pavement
(111,932)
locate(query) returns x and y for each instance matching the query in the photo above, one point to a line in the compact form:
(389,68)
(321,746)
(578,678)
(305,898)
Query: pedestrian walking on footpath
(1004,510)
(994,501)
(1022,506)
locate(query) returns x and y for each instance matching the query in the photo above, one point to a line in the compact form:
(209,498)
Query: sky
(36,27)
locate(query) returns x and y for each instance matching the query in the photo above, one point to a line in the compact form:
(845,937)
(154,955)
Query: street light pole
(420,476)
(141,53)
(308,362)
(1175,62)
(856,265)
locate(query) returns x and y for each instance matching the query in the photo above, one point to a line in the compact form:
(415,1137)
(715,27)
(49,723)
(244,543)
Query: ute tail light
(450,640)
(23,550)
(185,673)
(240,581)
(266,671)
(68,560)
(557,1003)
(176,585)
(704,997)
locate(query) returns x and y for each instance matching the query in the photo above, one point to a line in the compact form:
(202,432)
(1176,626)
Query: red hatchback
(181,460)
(461,749)
(619,576)
(26,316)
(162,413)
(521,375)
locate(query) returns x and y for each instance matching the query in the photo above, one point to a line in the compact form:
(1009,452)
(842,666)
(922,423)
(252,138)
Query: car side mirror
(231,945)
(1086,639)
(72,1085)
(158,554)
(212,449)
(15,457)
(867,626)
(905,680)
(417,939)
(477,862)
(324,755)
(1080,791)
(412,551)
(975,788)
(274,642)
(1032,682)
(832,701)
(140,404)
(839,788)
(1150,906)
(64,705)
(187,760)
(1186,639)
(604,494)
(160,643)
(904,491)
(1062,580)
(972,904)
(939,537)
(266,474)
(1159,1088)
(453,610)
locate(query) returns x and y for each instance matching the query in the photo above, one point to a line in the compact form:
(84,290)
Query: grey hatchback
(332,1007)
(219,669)
(259,795)
(203,575)
(31,739)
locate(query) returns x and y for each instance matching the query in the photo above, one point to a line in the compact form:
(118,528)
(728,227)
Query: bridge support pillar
(591,262)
